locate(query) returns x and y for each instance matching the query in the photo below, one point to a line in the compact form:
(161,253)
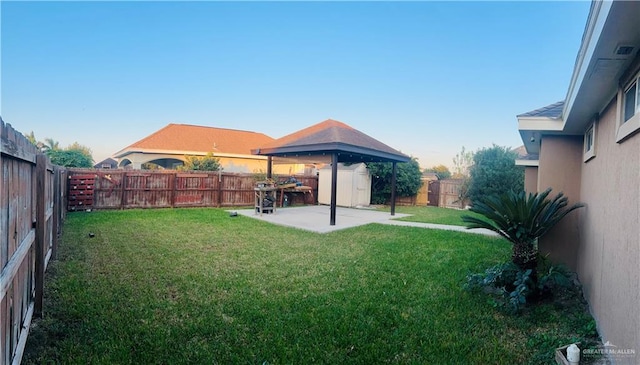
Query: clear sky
(423,77)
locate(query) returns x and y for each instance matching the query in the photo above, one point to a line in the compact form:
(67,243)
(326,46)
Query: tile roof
(430,174)
(521,151)
(550,111)
(184,137)
(530,157)
(330,135)
(107,161)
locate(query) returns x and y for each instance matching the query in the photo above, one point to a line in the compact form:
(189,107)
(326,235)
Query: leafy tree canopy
(75,155)
(50,145)
(441,171)
(461,164)
(407,180)
(205,163)
(32,138)
(494,172)
(70,158)
(78,147)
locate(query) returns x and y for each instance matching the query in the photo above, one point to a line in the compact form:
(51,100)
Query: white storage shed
(354,185)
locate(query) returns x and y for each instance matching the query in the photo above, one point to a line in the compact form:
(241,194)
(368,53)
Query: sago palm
(521,218)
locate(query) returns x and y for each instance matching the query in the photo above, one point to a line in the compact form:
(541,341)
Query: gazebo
(332,142)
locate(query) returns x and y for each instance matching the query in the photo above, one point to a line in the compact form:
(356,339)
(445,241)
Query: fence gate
(434,193)
(450,193)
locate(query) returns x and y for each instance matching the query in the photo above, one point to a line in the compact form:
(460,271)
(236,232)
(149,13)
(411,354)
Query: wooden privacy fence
(450,194)
(439,193)
(32,196)
(125,189)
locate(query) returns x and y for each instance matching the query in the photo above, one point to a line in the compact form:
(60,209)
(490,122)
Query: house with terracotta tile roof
(588,147)
(169,146)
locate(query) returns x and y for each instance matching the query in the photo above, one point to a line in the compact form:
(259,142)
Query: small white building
(353,188)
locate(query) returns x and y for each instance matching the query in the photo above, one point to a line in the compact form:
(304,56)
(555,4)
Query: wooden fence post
(57,211)
(41,231)
(219,189)
(123,183)
(173,186)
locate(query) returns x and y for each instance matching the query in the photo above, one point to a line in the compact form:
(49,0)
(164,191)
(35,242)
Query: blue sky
(423,77)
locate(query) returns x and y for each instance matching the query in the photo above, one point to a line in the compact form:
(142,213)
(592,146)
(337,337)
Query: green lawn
(428,214)
(197,286)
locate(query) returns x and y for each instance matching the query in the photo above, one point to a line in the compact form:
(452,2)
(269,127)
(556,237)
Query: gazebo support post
(334,187)
(394,172)
(269,166)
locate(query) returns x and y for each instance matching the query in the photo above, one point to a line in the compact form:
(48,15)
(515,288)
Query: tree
(76,155)
(69,158)
(78,147)
(441,171)
(50,145)
(461,163)
(494,172)
(521,219)
(205,163)
(31,137)
(408,180)
(86,151)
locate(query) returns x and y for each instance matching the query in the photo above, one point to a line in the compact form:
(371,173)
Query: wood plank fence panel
(237,190)
(450,193)
(18,236)
(32,210)
(148,191)
(196,190)
(108,189)
(406,200)
(126,189)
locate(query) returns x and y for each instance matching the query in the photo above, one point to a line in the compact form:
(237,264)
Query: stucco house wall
(560,164)
(239,164)
(589,147)
(609,254)
(531,179)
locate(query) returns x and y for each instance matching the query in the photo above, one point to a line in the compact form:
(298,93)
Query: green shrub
(512,288)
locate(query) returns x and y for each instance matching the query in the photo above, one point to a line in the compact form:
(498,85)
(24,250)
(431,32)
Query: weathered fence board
(31,216)
(126,189)
(434,193)
(450,192)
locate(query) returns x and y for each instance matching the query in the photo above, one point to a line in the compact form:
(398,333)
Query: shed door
(364,188)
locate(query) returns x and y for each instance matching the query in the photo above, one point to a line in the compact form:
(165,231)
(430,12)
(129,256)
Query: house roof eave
(599,66)
(346,152)
(527,163)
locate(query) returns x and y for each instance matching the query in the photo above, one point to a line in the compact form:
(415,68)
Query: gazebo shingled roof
(341,143)
(332,136)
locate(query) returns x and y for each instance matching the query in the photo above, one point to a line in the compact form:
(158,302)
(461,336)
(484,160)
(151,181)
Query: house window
(590,142)
(631,101)
(629,109)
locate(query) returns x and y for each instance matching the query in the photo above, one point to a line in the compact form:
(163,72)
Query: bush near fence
(32,210)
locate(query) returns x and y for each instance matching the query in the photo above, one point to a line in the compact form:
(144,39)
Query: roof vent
(624,50)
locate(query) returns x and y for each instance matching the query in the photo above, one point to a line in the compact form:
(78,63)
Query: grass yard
(180,286)
(429,214)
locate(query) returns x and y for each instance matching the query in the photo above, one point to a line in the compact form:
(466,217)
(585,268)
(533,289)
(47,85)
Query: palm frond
(520,217)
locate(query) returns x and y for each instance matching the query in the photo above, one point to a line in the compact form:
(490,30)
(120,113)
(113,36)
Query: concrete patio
(315,218)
